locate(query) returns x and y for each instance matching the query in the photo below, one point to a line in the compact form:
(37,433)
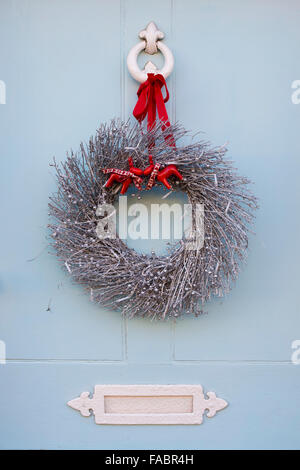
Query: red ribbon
(127,174)
(150,100)
(153,176)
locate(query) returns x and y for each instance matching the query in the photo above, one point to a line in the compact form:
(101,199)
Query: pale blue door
(63,64)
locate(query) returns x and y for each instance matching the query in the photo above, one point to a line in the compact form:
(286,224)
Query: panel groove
(126,362)
(122,58)
(173,76)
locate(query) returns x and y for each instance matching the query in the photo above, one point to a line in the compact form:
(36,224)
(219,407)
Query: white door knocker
(151,45)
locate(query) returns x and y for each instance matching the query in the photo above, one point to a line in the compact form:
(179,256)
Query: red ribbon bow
(150,100)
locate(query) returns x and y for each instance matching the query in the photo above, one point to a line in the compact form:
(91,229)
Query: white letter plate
(148,404)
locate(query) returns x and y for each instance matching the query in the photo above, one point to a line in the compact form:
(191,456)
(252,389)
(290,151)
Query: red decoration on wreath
(150,101)
(122,176)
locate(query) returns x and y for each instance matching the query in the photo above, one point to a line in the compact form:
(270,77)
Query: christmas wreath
(140,284)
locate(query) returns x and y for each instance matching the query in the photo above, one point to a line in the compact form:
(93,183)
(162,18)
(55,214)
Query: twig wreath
(140,284)
(117,276)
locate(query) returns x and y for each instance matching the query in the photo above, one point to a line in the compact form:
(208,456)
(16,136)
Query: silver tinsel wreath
(139,284)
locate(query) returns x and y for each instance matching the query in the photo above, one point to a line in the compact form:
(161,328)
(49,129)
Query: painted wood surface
(64,67)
